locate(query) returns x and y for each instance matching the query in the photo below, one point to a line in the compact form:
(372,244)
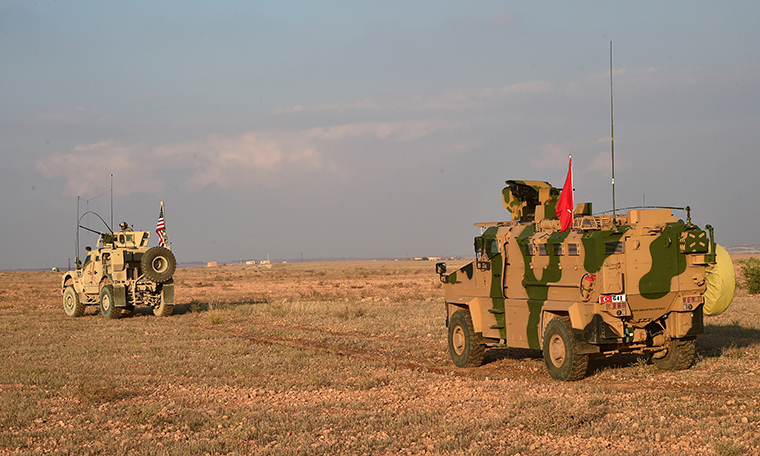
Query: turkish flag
(565,204)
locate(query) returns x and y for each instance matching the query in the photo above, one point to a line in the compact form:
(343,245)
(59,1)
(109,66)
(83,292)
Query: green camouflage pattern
(633,283)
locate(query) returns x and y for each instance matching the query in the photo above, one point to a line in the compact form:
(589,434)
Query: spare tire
(158,264)
(721,282)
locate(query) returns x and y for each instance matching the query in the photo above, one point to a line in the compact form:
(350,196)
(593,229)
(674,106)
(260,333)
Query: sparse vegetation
(750,268)
(343,358)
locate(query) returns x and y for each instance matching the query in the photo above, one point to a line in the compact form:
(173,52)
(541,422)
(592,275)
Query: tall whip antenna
(111,200)
(612,142)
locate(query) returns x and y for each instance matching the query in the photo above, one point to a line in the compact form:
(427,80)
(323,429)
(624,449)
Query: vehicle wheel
(680,355)
(71,304)
(561,351)
(158,264)
(466,348)
(107,307)
(163,310)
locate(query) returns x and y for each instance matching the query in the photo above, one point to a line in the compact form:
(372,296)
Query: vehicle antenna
(112,201)
(76,253)
(612,142)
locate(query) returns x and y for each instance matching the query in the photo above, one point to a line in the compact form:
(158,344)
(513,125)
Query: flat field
(343,358)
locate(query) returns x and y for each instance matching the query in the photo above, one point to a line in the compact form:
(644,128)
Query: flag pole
(166,237)
(572,179)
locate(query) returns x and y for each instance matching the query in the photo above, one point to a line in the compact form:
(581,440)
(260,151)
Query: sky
(341,129)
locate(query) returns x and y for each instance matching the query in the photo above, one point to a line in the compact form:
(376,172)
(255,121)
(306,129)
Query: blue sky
(365,129)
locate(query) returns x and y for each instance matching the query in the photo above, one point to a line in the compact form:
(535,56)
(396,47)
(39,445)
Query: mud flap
(584,348)
(167,294)
(119,296)
(686,324)
(599,332)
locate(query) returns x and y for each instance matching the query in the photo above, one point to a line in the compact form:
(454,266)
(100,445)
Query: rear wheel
(561,355)
(680,355)
(467,349)
(71,304)
(163,310)
(107,307)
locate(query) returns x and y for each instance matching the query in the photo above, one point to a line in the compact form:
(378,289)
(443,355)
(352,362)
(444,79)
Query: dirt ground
(343,357)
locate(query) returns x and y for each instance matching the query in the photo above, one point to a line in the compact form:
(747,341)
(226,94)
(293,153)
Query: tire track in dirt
(521,365)
(369,355)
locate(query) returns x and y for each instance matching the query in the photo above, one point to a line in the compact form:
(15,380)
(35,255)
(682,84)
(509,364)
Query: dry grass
(342,358)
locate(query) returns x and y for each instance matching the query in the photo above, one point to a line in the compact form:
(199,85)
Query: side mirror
(440,268)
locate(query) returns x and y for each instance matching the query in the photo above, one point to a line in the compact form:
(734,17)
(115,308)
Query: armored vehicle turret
(631,283)
(122,273)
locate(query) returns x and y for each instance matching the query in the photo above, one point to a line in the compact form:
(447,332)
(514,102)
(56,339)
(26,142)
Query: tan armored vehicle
(122,273)
(633,283)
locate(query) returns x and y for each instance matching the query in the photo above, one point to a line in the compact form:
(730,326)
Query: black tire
(163,310)
(561,355)
(681,353)
(71,304)
(107,307)
(158,264)
(467,348)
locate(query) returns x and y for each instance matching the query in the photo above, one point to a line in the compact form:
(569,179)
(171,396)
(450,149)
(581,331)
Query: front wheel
(680,355)
(107,307)
(561,355)
(71,303)
(467,349)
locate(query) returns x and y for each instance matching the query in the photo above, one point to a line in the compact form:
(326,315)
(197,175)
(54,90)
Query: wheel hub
(160,264)
(69,302)
(458,340)
(557,351)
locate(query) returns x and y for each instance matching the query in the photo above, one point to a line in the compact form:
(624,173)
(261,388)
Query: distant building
(212,264)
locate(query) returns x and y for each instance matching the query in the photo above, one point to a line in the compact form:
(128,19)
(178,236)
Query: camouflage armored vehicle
(122,273)
(633,283)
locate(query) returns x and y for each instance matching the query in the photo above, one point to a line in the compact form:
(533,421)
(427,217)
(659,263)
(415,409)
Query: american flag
(161,228)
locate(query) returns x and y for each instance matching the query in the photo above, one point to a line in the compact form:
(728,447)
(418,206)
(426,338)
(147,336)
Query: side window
(483,248)
(492,247)
(572,249)
(611,248)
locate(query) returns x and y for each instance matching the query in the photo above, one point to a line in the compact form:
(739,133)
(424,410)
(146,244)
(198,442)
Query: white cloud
(552,156)
(254,158)
(449,100)
(401,131)
(85,167)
